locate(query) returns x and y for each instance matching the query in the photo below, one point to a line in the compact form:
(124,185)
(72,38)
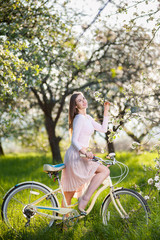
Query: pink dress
(79,171)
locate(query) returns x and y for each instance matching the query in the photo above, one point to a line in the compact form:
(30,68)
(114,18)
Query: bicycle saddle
(53,168)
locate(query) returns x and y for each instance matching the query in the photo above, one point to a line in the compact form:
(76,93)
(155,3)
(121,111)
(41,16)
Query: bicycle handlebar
(107,162)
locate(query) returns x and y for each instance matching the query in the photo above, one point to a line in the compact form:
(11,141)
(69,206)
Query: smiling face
(81,102)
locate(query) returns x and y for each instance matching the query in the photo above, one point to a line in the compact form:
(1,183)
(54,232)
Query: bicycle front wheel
(133,206)
(15,212)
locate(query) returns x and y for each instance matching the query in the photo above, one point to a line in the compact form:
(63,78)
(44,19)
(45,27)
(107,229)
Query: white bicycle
(35,205)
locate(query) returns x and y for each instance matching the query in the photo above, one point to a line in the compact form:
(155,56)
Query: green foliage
(19,168)
(34,40)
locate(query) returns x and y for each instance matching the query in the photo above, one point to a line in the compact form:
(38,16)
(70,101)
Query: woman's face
(81,102)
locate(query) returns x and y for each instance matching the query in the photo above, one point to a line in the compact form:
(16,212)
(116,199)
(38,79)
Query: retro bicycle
(35,205)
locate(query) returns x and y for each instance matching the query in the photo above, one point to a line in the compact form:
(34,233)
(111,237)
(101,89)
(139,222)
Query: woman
(79,171)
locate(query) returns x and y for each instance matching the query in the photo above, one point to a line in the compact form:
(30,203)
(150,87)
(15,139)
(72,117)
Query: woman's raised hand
(106,107)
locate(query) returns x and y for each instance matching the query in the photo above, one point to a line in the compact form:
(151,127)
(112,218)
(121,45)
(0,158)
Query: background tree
(12,88)
(13,85)
(125,79)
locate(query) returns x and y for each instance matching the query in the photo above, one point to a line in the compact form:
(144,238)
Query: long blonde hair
(73,111)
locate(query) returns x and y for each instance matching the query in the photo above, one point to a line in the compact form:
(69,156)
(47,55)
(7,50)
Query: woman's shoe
(82,212)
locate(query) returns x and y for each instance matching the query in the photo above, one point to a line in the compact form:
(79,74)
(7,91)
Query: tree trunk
(1,150)
(53,139)
(110,145)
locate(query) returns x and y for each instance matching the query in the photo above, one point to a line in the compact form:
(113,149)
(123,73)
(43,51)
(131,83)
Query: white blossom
(157,185)
(157,165)
(156,178)
(150,181)
(146,197)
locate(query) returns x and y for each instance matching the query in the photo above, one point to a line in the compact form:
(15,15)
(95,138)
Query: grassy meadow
(29,167)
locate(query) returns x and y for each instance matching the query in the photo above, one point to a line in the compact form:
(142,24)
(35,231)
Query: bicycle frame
(70,208)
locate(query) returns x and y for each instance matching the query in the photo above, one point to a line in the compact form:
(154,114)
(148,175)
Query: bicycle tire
(15,202)
(136,207)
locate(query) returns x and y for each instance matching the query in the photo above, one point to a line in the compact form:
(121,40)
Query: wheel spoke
(18,201)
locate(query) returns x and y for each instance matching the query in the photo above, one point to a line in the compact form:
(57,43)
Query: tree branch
(38,98)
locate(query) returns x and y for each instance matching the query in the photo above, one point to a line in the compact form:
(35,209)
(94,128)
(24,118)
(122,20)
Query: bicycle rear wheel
(135,207)
(15,212)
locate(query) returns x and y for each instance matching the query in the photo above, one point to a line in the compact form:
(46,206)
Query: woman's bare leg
(101,174)
(68,196)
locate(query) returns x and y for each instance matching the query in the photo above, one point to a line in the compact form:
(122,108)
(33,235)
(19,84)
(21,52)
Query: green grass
(19,168)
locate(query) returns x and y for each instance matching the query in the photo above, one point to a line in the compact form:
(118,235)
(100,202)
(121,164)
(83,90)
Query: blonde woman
(79,171)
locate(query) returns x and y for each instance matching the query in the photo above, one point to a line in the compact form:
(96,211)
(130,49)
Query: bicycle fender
(29,182)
